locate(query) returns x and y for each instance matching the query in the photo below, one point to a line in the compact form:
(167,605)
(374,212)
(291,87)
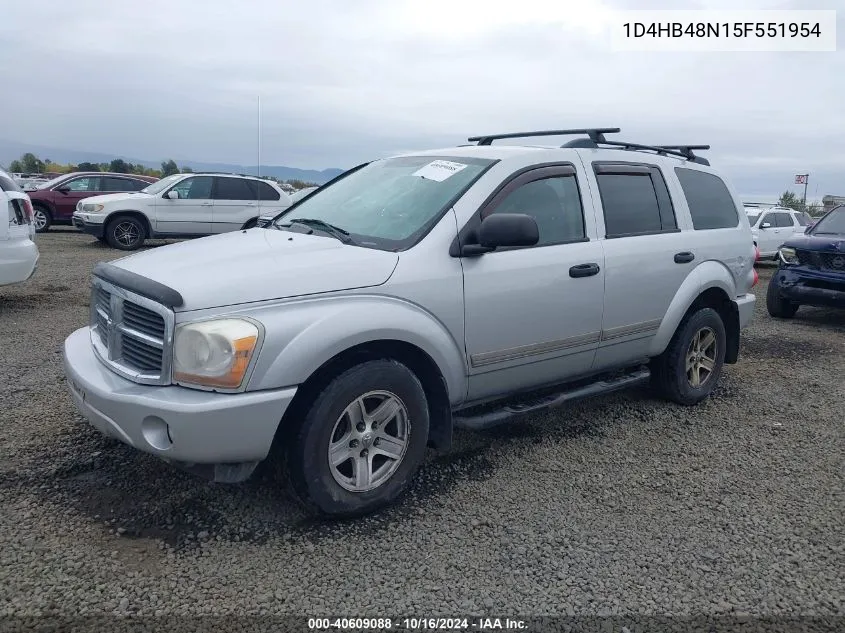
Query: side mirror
(501,230)
(172,194)
(766,225)
(63,189)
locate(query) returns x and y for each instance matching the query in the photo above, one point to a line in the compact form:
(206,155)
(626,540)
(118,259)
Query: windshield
(831,224)
(390,203)
(161,185)
(52,183)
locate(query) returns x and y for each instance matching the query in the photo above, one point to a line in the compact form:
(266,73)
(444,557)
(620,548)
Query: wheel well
(132,214)
(719,300)
(40,204)
(440,424)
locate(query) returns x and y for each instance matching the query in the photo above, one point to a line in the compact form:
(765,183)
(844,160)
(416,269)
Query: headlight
(214,353)
(787,255)
(92,208)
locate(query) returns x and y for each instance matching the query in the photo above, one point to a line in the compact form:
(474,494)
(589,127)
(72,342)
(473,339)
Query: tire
(42,218)
(125,233)
(670,374)
(334,491)
(777,306)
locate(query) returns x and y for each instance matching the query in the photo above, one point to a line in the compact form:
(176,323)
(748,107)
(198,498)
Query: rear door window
(233,189)
(635,200)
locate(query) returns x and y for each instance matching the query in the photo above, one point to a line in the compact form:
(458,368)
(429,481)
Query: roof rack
(682,151)
(596,134)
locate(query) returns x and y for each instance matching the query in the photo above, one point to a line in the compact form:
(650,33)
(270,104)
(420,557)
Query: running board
(509,411)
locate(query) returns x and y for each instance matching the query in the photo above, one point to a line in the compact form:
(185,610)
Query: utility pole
(259,138)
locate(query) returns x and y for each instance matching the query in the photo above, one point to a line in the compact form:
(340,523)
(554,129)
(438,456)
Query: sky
(341,82)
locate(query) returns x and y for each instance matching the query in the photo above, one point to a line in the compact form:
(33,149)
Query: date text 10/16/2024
(417,624)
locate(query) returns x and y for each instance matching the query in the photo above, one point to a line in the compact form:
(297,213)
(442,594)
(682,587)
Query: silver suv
(460,287)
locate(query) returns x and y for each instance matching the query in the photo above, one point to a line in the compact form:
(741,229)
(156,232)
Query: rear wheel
(689,369)
(125,233)
(361,441)
(41,218)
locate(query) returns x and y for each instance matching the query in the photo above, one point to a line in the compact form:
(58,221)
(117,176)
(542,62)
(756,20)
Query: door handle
(684,258)
(205,204)
(584,270)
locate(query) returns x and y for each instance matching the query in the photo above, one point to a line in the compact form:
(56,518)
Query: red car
(55,201)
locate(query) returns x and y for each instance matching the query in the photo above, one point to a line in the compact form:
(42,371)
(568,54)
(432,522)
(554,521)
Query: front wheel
(361,442)
(125,233)
(688,371)
(778,307)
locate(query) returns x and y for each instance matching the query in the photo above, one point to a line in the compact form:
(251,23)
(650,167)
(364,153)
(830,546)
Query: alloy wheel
(701,357)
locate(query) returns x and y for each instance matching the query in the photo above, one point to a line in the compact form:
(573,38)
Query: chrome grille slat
(131,334)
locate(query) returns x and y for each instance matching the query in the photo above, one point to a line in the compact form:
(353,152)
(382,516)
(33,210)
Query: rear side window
(111,183)
(7,184)
(710,202)
(263,191)
(783,220)
(635,200)
(233,189)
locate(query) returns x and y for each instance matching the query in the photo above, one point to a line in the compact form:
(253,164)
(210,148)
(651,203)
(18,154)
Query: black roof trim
(594,133)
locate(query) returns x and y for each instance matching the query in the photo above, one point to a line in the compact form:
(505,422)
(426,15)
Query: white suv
(18,252)
(181,205)
(771,227)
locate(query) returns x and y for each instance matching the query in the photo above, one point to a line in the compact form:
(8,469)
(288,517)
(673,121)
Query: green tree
(169,167)
(16,166)
(86,166)
(31,163)
(790,199)
(120,166)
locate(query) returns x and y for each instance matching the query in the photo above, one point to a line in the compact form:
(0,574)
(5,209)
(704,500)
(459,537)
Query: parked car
(458,287)
(55,200)
(772,227)
(182,205)
(812,268)
(266,218)
(18,251)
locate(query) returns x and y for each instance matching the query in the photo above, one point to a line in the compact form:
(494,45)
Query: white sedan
(18,252)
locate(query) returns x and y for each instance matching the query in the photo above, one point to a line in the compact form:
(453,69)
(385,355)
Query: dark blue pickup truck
(812,268)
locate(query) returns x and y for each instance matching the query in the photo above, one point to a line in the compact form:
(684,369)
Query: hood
(115,197)
(820,243)
(259,265)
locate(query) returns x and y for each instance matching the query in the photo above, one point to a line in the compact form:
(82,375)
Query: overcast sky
(345,81)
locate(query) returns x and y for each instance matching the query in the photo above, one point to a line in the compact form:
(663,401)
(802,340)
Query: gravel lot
(619,505)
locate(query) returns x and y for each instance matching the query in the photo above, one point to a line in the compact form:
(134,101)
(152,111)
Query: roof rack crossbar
(596,134)
(687,150)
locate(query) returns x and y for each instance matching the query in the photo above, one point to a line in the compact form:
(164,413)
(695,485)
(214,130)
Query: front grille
(833,262)
(132,334)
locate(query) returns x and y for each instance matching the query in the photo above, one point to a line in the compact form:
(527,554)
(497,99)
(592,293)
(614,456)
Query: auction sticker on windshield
(439,170)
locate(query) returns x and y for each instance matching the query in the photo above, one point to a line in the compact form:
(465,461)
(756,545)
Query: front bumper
(91,228)
(745,309)
(807,287)
(18,261)
(230,432)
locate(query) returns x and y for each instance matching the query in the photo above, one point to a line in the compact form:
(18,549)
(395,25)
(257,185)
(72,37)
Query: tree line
(791,200)
(29,163)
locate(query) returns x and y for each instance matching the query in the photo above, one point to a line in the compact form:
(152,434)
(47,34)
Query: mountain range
(11,150)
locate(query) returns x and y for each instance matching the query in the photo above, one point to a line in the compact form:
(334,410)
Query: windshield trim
(421,233)
(159,181)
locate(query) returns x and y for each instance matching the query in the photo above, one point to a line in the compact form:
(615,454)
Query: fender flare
(299,345)
(706,275)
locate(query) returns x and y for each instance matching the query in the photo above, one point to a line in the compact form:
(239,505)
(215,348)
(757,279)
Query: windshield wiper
(320,225)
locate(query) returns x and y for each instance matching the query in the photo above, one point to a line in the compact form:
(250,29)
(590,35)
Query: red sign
(801,179)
